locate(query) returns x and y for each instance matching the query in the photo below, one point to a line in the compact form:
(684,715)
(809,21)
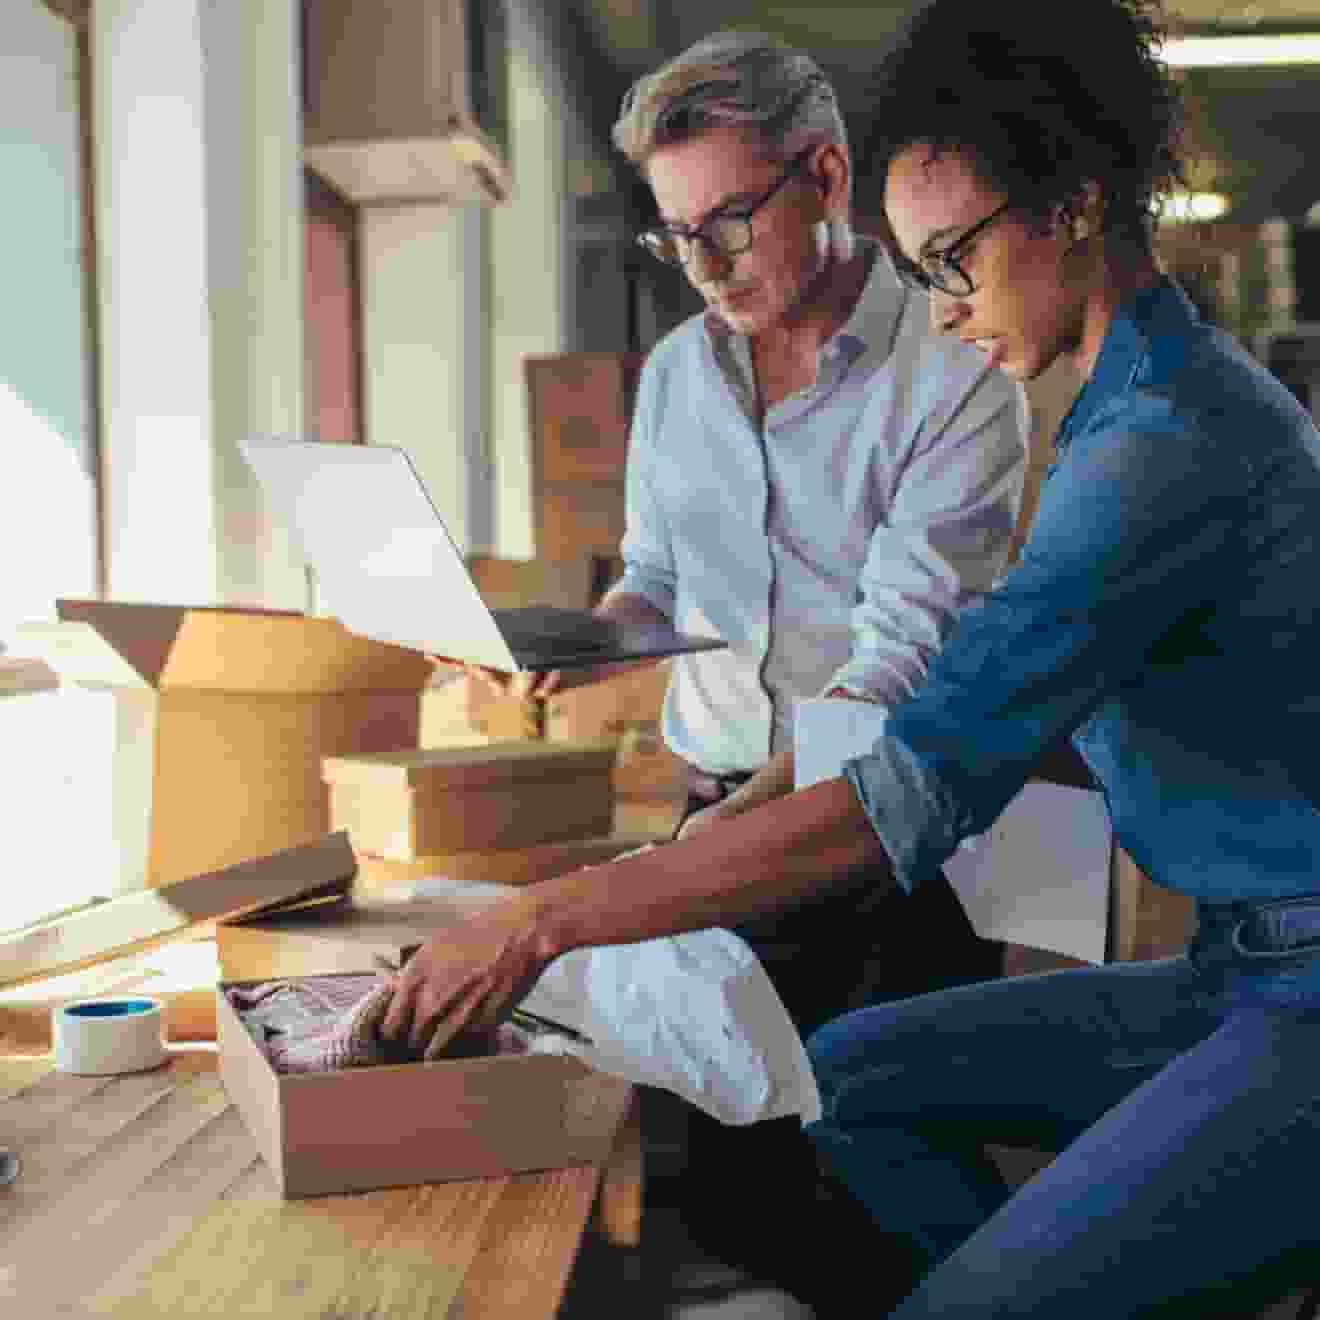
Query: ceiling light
(1200,206)
(1220,52)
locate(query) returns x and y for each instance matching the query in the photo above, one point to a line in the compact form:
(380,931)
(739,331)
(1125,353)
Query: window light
(1222,52)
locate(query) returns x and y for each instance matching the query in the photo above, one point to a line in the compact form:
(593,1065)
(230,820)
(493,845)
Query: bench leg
(619,1209)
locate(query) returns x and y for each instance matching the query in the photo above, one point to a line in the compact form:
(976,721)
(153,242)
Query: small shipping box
(357,1129)
(205,728)
(405,805)
(625,707)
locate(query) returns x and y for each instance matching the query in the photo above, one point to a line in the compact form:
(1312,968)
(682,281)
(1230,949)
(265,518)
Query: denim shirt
(1163,614)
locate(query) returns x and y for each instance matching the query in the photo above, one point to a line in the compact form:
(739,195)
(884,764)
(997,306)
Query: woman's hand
(469,977)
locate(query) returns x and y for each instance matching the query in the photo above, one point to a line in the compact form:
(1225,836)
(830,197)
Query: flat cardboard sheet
(134,922)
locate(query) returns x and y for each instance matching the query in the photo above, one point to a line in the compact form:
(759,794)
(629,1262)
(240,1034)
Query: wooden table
(143,1196)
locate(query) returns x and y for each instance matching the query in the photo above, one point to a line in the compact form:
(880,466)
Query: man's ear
(832,173)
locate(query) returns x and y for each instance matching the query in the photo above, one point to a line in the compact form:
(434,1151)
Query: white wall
(527,259)
(416,345)
(199,254)
(47,491)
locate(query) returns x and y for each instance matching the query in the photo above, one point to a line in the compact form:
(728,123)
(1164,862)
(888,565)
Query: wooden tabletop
(143,1196)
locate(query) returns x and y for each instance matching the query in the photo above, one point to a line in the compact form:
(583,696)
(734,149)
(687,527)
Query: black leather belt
(715,788)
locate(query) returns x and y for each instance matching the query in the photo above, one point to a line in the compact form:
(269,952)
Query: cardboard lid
(321,869)
(468,767)
(221,649)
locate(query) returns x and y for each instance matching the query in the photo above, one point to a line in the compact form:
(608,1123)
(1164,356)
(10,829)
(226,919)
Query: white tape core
(100,1036)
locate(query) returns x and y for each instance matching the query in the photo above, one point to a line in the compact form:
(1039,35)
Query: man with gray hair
(818,480)
(822,483)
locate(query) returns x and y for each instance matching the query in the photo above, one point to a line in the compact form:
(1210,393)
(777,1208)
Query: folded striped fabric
(323,1023)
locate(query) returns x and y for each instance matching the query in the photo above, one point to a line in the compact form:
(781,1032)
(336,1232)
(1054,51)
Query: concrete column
(199,216)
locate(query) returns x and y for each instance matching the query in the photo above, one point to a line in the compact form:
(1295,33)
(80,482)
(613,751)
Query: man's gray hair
(735,79)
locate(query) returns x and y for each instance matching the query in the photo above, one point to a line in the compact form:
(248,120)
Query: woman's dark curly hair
(1042,96)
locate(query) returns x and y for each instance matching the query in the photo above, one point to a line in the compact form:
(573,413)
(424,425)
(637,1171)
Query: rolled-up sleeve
(945,540)
(649,566)
(1138,527)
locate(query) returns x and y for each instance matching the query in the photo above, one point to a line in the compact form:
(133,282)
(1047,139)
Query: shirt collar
(1155,309)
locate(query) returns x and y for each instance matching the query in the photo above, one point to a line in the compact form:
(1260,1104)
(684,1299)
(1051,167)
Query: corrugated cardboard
(205,728)
(459,710)
(131,923)
(625,707)
(580,406)
(362,1128)
(403,805)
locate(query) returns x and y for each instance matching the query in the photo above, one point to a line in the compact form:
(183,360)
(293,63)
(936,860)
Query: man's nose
(705,262)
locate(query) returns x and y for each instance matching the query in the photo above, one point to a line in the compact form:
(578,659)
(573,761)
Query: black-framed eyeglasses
(725,233)
(939,268)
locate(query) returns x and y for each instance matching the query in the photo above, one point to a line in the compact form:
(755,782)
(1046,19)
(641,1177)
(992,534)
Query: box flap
(221,649)
(430,768)
(264,652)
(103,642)
(139,921)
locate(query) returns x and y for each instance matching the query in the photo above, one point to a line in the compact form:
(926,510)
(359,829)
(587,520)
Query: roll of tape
(100,1036)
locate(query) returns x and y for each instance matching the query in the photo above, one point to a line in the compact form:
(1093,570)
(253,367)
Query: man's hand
(527,683)
(468,977)
(705,819)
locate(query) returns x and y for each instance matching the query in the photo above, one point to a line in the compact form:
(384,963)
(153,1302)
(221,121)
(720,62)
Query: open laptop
(387,567)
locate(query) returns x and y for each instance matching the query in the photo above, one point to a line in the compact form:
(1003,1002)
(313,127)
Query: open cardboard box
(204,729)
(391,1125)
(358,1129)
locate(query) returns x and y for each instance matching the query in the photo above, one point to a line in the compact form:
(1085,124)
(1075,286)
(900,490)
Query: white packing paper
(1039,876)
(695,1014)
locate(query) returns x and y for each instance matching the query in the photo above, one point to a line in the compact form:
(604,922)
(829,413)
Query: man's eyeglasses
(939,268)
(725,234)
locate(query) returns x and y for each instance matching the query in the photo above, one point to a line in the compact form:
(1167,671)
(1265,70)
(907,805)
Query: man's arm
(943,542)
(766,859)
(773,780)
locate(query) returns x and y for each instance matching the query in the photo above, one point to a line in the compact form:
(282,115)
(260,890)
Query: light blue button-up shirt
(831,544)
(1163,613)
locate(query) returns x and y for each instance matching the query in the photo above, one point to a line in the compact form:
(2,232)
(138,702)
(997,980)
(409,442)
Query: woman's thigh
(1192,1196)
(1028,1059)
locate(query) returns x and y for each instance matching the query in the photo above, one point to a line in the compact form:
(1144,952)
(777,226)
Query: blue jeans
(1183,1095)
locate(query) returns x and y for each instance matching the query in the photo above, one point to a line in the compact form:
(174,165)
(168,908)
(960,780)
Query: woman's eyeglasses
(939,268)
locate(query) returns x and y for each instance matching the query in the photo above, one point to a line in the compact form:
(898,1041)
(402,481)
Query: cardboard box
(459,710)
(359,1129)
(627,708)
(206,728)
(580,406)
(403,805)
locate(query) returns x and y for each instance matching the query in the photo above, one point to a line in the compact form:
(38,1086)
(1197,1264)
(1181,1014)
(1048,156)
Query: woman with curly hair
(1163,616)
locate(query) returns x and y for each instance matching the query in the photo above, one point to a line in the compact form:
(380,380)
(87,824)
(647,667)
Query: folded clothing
(323,1023)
